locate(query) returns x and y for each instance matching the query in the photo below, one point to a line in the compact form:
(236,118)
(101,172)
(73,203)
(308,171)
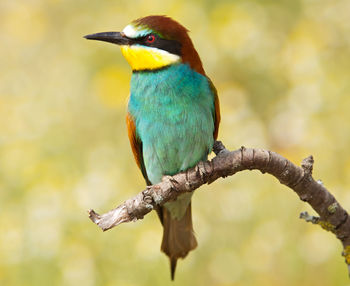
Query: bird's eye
(150,39)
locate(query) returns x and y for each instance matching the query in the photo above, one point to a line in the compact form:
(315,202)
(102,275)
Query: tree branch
(332,216)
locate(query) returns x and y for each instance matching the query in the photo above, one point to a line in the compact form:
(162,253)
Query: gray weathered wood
(332,216)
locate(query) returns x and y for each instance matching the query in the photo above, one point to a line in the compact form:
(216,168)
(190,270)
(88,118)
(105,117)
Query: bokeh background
(282,70)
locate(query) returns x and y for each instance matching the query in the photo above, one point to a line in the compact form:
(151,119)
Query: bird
(173,115)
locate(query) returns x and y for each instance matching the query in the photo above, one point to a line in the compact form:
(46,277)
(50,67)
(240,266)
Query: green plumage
(173,111)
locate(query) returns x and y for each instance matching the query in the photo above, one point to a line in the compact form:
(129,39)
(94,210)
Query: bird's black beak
(111,37)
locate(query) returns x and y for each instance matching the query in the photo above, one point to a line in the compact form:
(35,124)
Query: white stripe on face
(131,32)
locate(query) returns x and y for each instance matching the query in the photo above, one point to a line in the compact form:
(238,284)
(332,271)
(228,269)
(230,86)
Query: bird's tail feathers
(178,237)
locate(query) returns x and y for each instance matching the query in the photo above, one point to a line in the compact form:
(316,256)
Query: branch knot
(307,165)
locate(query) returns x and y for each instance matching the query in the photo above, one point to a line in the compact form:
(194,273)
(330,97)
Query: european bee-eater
(173,115)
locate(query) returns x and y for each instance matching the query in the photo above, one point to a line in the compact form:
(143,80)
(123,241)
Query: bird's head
(152,43)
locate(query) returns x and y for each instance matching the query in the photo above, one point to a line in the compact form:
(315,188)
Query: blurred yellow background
(282,70)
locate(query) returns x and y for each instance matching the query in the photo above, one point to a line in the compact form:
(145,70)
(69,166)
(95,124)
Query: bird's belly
(171,146)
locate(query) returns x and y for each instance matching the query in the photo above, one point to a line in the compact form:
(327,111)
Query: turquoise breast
(173,110)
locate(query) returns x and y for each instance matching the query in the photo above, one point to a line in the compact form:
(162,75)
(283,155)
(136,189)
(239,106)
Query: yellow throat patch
(146,58)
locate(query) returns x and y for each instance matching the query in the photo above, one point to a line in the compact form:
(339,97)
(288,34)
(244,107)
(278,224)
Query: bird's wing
(136,146)
(216,114)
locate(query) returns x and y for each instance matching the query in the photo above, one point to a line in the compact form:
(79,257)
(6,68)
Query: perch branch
(332,215)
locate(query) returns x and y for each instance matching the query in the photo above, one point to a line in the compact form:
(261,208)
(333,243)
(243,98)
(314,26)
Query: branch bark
(332,216)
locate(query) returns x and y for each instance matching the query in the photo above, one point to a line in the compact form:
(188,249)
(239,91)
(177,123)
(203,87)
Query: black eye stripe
(171,46)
